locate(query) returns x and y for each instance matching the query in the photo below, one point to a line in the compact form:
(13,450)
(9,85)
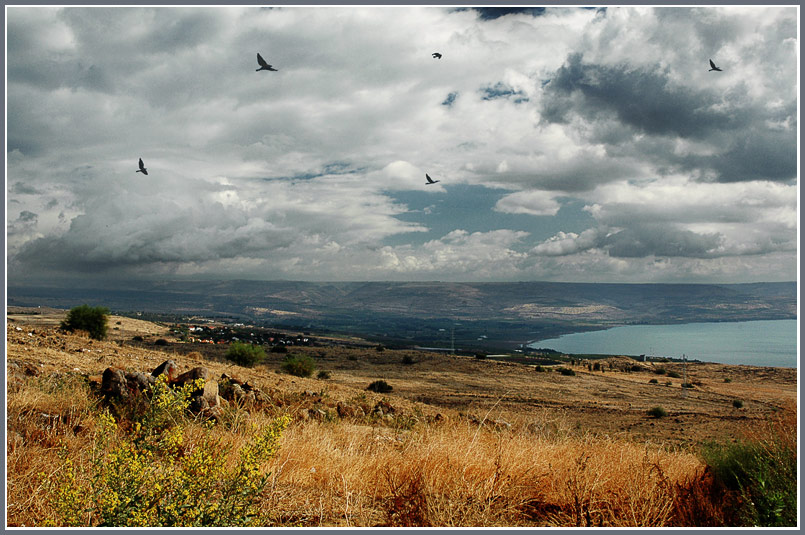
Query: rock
(199,372)
(114,384)
(139,382)
(168,368)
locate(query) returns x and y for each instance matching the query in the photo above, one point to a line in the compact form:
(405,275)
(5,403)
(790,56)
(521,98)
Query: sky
(570,144)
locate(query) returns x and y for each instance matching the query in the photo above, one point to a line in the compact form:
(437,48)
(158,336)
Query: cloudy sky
(570,144)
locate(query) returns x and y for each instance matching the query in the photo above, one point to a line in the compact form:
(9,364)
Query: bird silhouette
(430,180)
(436,55)
(142,168)
(713,66)
(263,65)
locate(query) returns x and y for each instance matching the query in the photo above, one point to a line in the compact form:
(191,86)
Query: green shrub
(727,380)
(245,354)
(480,356)
(657,412)
(150,474)
(323,374)
(763,472)
(660,371)
(137,338)
(408,360)
(673,374)
(380,386)
(380,348)
(87,318)
(279,349)
(653,381)
(539,368)
(596,366)
(737,403)
(300,366)
(161,342)
(565,371)
(687,385)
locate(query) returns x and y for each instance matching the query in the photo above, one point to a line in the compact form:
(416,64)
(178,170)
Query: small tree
(301,366)
(657,412)
(245,354)
(380,386)
(87,318)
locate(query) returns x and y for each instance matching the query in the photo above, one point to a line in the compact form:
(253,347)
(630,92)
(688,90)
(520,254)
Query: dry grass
(460,475)
(542,470)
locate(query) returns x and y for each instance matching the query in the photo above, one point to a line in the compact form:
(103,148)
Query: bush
(279,349)
(727,380)
(245,354)
(161,342)
(380,348)
(137,338)
(408,360)
(597,366)
(300,366)
(155,474)
(87,318)
(653,381)
(687,385)
(380,386)
(657,412)
(737,403)
(762,471)
(660,371)
(323,374)
(539,368)
(480,356)
(565,371)
(673,374)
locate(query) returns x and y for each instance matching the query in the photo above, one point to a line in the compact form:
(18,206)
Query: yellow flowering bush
(150,476)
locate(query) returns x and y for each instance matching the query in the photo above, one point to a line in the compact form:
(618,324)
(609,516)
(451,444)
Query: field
(459,441)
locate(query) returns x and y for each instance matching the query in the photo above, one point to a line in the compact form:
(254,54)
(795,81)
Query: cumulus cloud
(301,172)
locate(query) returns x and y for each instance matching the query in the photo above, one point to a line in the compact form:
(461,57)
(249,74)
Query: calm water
(758,343)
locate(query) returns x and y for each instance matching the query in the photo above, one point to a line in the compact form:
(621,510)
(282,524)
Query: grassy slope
(576,452)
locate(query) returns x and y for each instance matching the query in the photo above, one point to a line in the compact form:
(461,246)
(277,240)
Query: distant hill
(436,313)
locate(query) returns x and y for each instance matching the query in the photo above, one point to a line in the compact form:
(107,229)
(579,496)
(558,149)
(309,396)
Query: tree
(245,354)
(87,318)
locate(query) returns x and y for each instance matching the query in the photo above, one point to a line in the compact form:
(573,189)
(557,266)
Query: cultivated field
(459,441)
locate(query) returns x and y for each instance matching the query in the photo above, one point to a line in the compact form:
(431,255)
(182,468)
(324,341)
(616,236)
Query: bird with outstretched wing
(142,168)
(264,66)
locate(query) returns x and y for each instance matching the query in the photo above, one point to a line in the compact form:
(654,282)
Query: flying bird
(713,66)
(263,65)
(436,55)
(142,168)
(430,180)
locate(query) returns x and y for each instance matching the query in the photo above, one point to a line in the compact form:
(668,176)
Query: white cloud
(296,172)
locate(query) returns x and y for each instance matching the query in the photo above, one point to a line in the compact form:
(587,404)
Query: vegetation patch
(380,386)
(86,318)
(299,365)
(245,354)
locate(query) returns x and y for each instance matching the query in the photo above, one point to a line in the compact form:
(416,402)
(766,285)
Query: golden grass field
(469,443)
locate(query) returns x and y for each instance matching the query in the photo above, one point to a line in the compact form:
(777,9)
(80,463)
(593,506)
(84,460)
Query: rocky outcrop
(120,384)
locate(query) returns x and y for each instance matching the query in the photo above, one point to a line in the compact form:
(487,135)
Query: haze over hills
(436,313)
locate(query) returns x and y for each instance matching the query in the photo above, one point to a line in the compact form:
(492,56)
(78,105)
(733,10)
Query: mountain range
(481,315)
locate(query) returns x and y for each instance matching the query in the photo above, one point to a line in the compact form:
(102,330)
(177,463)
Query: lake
(756,343)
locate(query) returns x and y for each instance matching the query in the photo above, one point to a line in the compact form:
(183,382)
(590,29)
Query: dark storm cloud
(20,188)
(631,109)
(659,240)
(491,13)
(642,98)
